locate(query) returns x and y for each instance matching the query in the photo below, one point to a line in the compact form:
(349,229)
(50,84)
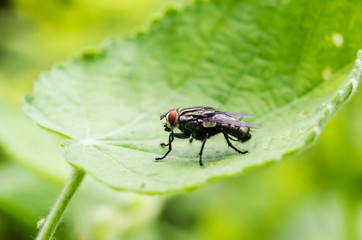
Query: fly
(201,123)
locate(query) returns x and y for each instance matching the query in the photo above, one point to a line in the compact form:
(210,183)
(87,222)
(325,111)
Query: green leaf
(287,63)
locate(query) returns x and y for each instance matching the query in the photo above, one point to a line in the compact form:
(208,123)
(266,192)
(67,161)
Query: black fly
(201,123)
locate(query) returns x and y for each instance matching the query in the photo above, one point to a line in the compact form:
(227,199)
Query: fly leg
(202,148)
(234,139)
(170,140)
(171,137)
(230,144)
(177,135)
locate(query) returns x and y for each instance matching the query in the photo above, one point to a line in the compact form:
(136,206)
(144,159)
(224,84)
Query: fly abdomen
(240,133)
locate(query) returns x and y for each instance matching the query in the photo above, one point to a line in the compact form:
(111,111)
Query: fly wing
(237,114)
(226,120)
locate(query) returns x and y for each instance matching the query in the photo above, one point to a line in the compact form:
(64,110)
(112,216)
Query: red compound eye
(172,117)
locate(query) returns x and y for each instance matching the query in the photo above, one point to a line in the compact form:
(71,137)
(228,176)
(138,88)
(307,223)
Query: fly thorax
(208,124)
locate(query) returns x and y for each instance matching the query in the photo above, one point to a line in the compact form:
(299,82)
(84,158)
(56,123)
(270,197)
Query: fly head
(171,119)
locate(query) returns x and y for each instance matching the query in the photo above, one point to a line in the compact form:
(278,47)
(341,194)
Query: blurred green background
(315,194)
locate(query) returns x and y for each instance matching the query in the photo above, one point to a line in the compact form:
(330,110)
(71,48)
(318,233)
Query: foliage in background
(309,195)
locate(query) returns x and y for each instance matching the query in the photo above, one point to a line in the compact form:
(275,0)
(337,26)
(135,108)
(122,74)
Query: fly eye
(171,117)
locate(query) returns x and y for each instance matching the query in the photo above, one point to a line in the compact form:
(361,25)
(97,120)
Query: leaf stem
(56,213)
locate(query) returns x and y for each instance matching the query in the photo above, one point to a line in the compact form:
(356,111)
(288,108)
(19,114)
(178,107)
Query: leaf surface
(287,63)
